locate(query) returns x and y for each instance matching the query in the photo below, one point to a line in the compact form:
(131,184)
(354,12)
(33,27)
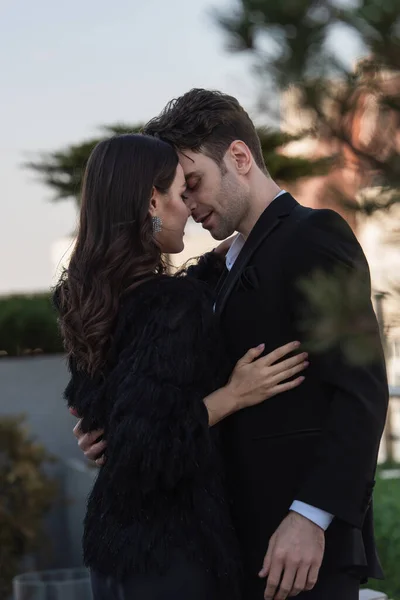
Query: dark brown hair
(115,249)
(208,122)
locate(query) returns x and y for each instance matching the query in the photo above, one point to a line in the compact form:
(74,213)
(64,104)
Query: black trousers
(186,581)
(339,586)
(183,581)
(336,586)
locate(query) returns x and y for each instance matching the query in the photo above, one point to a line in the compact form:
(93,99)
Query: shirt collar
(238,244)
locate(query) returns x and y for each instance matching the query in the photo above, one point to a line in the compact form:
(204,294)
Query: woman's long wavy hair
(115,249)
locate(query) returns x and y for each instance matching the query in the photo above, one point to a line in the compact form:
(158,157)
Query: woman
(148,366)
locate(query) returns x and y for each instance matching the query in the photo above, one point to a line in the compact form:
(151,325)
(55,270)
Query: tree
(62,170)
(289,44)
(27,494)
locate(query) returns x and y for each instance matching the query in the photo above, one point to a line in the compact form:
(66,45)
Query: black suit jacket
(319,442)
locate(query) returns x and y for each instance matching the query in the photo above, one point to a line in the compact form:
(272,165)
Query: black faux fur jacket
(160,487)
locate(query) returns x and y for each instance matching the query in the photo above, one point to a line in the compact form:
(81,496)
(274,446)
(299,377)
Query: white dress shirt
(320,517)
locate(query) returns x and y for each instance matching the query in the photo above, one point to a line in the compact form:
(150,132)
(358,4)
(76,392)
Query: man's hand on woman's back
(90,443)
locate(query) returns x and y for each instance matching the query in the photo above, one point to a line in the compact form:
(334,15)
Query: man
(300,468)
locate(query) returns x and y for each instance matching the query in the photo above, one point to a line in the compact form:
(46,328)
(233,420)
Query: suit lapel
(267,223)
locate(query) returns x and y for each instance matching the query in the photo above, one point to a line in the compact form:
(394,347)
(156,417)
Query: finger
(284,375)
(274,578)
(312,577)
(285,387)
(267,561)
(100,461)
(73,412)
(86,440)
(95,451)
(281,352)
(251,355)
(287,364)
(287,582)
(300,581)
(77,430)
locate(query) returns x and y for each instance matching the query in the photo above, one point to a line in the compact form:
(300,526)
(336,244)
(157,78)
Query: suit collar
(270,219)
(239,242)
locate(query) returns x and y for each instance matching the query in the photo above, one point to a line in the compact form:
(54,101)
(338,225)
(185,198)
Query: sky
(69,67)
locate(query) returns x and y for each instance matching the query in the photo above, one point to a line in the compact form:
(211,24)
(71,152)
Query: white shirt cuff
(320,517)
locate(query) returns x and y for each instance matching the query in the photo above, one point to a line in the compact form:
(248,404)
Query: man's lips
(203,218)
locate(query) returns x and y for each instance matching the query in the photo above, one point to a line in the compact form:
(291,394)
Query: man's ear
(241,156)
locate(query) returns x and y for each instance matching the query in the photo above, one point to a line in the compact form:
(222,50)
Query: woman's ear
(154,203)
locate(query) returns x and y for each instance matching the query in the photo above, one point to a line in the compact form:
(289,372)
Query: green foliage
(62,170)
(26,494)
(387,531)
(28,324)
(283,168)
(290,43)
(337,305)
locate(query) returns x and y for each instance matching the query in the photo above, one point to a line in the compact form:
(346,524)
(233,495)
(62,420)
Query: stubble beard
(236,208)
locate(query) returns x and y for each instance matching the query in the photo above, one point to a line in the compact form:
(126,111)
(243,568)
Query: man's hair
(208,122)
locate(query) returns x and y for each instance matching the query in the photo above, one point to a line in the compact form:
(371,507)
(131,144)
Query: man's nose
(191,204)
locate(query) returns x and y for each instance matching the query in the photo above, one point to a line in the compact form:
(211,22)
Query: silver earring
(157,224)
